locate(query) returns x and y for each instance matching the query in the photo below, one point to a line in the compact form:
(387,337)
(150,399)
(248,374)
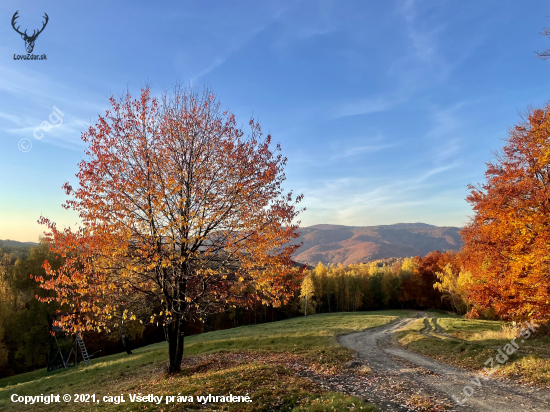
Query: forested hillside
(355,244)
(15,248)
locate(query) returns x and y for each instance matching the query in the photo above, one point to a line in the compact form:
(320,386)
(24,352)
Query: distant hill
(355,244)
(15,243)
(16,249)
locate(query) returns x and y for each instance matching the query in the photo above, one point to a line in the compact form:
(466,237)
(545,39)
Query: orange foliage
(182,216)
(507,241)
(419,287)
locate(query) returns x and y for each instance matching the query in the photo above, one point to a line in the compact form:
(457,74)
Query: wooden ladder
(83,350)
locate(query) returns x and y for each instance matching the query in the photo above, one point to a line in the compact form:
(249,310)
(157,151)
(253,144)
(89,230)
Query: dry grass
(411,332)
(478,340)
(364,370)
(260,360)
(424,403)
(507,332)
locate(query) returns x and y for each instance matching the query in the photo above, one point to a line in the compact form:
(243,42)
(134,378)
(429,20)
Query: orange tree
(182,215)
(507,240)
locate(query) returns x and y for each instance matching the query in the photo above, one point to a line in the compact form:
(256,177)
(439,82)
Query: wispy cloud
(423,64)
(234,46)
(222,38)
(351,200)
(434,171)
(302,21)
(357,150)
(446,132)
(11,118)
(447,150)
(365,106)
(216,63)
(66,135)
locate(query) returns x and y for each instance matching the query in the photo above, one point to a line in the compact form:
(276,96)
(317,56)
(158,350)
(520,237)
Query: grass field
(473,342)
(257,360)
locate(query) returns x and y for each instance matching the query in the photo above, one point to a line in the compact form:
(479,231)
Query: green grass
(256,359)
(304,333)
(475,341)
(436,313)
(464,328)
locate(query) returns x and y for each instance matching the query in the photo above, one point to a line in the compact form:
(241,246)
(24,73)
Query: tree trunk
(175,333)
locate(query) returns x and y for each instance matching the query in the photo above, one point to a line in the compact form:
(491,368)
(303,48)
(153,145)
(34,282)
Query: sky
(386,110)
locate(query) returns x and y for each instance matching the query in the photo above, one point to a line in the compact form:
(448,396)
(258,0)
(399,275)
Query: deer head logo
(29,40)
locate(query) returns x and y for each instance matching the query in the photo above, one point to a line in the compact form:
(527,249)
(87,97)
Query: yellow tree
(453,285)
(182,215)
(306,292)
(319,277)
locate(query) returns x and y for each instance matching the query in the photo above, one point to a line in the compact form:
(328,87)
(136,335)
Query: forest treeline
(503,268)
(23,319)
(435,281)
(24,322)
(388,283)
(409,283)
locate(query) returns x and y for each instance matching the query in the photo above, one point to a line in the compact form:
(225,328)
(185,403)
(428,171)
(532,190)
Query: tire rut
(435,331)
(401,378)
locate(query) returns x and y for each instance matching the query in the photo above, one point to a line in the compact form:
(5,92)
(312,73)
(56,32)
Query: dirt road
(401,376)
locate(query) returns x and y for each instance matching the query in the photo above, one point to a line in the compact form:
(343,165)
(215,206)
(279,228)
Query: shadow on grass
(313,337)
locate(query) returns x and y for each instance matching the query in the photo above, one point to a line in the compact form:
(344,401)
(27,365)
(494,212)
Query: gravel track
(399,375)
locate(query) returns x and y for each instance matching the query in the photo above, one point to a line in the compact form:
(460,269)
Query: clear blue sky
(386,110)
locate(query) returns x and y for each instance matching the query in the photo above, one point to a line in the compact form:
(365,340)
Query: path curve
(417,374)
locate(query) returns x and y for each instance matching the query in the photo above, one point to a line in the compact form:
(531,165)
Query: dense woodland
(382,284)
(24,324)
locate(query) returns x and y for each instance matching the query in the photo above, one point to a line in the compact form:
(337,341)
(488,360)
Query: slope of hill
(356,244)
(264,361)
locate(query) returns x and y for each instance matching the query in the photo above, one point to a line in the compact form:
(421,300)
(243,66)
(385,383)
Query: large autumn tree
(507,240)
(183,214)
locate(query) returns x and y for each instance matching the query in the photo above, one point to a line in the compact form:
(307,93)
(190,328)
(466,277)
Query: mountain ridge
(332,244)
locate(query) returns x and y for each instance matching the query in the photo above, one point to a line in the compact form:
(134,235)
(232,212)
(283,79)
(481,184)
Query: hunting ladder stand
(64,354)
